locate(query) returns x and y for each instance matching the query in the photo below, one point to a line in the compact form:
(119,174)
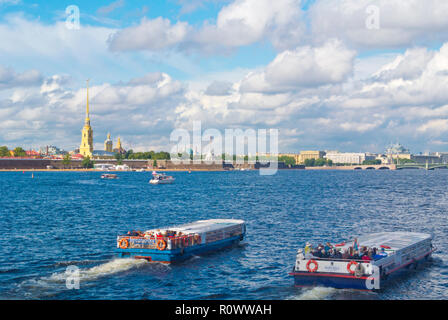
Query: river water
(57,220)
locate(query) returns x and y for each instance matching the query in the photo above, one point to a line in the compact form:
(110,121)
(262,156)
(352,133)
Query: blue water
(60,219)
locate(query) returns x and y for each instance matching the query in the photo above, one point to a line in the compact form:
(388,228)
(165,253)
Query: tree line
(18,152)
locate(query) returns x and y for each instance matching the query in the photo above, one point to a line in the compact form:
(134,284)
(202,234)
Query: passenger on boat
(380,255)
(337,254)
(328,246)
(367,256)
(308,248)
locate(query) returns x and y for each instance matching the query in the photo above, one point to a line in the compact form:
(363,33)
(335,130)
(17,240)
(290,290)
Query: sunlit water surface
(61,219)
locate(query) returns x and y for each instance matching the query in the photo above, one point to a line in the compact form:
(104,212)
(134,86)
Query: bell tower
(86,148)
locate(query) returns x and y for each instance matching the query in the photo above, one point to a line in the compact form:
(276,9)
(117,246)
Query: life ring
(123,243)
(315,266)
(161,245)
(349,266)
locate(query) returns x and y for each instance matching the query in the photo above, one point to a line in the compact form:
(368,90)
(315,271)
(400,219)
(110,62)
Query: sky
(347,75)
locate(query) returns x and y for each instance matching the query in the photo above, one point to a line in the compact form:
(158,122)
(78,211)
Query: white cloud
(307,66)
(240,23)
(9,78)
(401,23)
(155,34)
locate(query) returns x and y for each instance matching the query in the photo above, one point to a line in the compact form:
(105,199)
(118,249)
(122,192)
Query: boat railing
(341,260)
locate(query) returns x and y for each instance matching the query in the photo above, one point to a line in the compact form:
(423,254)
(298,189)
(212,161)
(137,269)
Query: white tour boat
(161,178)
(396,252)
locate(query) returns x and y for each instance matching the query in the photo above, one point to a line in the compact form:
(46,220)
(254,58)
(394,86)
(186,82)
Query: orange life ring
(123,243)
(315,266)
(349,266)
(161,244)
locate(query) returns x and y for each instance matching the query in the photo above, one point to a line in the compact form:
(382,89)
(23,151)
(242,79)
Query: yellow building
(119,148)
(86,148)
(108,145)
(291,155)
(309,155)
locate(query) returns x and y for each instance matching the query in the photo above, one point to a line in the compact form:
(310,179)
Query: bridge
(426,166)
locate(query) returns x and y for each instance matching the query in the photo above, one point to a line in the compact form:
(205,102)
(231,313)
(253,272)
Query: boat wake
(51,285)
(315,293)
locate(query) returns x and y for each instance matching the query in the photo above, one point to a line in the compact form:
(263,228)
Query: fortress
(86,147)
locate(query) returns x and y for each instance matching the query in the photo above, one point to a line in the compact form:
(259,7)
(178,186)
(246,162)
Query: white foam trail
(102,270)
(316,293)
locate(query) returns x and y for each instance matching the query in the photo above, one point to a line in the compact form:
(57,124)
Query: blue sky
(312,69)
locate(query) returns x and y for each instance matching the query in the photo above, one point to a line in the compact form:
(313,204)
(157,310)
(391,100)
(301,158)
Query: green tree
(287,160)
(4,151)
(19,152)
(320,162)
(309,162)
(87,163)
(371,162)
(67,160)
(119,158)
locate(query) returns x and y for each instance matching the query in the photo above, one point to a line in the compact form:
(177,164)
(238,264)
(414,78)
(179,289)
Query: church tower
(108,144)
(86,147)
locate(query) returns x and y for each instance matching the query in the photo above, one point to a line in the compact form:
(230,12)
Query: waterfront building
(397,148)
(348,157)
(426,158)
(304,155)
(86,148)
(108,144)
(291,155)
(397,151)
(50,151)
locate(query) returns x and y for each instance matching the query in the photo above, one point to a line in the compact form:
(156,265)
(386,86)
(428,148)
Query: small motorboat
(109,176)
(161,178)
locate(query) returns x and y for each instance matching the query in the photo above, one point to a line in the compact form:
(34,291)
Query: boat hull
(303,279)
(178,255)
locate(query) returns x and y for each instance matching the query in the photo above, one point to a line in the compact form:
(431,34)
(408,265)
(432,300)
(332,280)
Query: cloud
(219,88)
(306,66)
(111,7)
(401,23)
(9,78)
(240,23)
(155,34)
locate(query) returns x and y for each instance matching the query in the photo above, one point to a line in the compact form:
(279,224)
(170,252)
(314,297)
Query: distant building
(108,144)
(423,159)
(119,148)
(50,151)
(397,148)
(348,157)
(291,155)
(304,155)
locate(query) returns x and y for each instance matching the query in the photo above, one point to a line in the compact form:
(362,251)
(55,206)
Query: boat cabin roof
(204,226)
(395,240)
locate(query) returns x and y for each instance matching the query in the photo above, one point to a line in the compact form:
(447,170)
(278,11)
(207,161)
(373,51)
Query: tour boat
(109,176)
(178,243)
(161,178)
(399,252)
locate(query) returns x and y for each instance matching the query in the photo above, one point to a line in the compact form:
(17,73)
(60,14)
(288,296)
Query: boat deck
(395,240)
